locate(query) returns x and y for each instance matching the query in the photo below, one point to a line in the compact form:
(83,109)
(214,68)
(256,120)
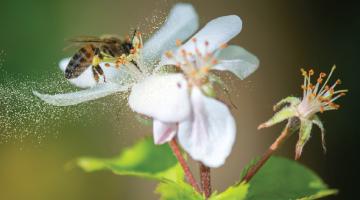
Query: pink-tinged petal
(86,79)
(163,132)
(210,134)
(163,97)
(217,32)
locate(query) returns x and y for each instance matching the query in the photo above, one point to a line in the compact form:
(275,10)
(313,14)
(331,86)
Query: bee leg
(100,71)
(96,75)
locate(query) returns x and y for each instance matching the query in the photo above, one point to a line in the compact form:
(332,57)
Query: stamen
(178,42)
(169,54)
(332,70)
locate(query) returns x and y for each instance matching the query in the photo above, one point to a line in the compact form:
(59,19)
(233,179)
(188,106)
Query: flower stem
(205,180)
(189,176)
(253,170)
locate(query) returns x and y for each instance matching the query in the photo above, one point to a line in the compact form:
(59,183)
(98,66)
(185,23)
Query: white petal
(181,23)
(67,99)
(237,60)
(163,97)
(163,132)
(210,134)
(86,79)
(217,32)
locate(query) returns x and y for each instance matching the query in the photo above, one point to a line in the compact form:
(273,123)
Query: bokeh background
(37,141)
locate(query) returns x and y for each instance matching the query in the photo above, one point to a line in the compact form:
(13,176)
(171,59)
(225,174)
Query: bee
(94,50)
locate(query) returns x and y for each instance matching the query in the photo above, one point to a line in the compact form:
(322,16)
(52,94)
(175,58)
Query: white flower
(179,103)
(316,98)
(181,23)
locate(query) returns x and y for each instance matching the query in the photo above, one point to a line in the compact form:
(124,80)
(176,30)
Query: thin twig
(253,170)
(205,180)
(189,176)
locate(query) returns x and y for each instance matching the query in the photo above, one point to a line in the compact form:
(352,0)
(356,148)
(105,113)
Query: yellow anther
(311,72)
(319,80)
(169,54)
(214,62)
(205,69)
(338,81)
(303,72)
(178,42)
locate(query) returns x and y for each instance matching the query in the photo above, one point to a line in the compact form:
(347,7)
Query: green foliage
(279,179)
(170,190)
(283,179)
(144,159)
(236,192)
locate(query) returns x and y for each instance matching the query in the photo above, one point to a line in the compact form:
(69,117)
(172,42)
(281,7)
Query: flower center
(319,97)
(194,63)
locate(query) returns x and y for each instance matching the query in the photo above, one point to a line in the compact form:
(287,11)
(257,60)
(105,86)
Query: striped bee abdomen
(80,61)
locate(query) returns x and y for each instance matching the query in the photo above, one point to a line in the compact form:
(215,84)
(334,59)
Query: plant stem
(253,170)
(189,176)
(205,180)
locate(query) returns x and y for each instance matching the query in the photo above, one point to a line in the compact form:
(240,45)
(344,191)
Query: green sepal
(285,113)
(316,120)
(304,136)
(288,100)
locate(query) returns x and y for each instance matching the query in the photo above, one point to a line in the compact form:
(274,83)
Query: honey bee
(94,50)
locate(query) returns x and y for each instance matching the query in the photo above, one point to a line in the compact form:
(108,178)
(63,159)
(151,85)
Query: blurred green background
(37,145)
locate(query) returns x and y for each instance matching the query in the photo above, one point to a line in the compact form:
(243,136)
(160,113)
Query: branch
(283,136)
(189,176)
(205,180)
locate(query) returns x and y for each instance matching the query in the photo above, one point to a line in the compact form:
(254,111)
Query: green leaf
(236,192)
(144,159)
(170,190)
(283,179)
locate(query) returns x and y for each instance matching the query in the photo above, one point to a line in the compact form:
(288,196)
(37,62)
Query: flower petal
(163,132)
(217,32)
(67,99)
(163,97)
(210,134)
(237,60)
(181,23)
(86,79)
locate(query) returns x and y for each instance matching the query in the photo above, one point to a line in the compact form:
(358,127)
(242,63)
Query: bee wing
(85,39)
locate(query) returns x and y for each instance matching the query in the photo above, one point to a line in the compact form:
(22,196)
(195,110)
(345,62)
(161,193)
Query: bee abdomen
(80,62)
